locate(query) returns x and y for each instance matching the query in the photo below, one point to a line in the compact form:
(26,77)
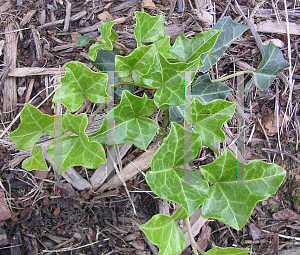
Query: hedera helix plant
(162,68)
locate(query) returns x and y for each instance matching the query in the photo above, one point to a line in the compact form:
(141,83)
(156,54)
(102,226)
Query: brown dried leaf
(56,211)
(286,214)
(148,4)
(139,244)
(204,237)
(4,210)
(105,15)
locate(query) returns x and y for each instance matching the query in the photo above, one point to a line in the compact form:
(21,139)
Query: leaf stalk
(232,75)
(194,245)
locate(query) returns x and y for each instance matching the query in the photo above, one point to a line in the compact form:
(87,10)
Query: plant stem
(232,75)
(166,119)
(194,245)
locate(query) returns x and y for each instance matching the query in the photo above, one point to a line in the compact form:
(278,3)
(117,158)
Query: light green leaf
(164,232)
(94,49)
(170,80)
(230,31)
(36,161)
(182,186)
(77,150)
(231,202)
(227,251)
(108,35)
(83,40)
(148,28)
(272,64)
(192,49)
(81,81)
(33,124)
(206,91)
(129,126)
(139,60)
(209,118)
(163,47)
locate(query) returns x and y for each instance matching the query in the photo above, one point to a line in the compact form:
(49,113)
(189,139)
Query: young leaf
(184,187)
(227,251)
(36,161)
(164,232)
(139,60)
(81,81)
(272,64)
(129,126)
(83,40)
(163,47)
(170,80)
(77,150)
(230,31)
(148,28)
(33,124)
(209,118)
(94,49)
(206,91)
(191,49)
(233,203)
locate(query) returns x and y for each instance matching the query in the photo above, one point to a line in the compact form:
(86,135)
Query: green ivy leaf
(233,203)
(184,187)
(148,28)
(192,49)
(36,161)
(230,31)
(164,232)
(83,40)
(33,124)
(139,60)
(77,150)
(163,47)
(108,35)
(170,80)
(81,81)
(206,91)
(209,118)
(272,64)
(227,251)
(105,60)
(129,126)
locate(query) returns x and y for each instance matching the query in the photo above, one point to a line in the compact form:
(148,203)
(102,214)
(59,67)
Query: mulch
(44,214)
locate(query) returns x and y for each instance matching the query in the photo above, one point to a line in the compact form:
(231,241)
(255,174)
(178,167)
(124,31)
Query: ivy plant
(160,67)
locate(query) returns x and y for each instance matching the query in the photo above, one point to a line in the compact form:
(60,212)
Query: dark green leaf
(83,40)
(230,31)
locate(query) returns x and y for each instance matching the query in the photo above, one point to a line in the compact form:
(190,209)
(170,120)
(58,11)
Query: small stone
(77,236)
(254,232)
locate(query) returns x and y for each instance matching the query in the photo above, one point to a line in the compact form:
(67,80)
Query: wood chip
(68,16)
(274,27)
(123,6)
(27,18)
(286,214)
(31,71)
(120,20)
(65,46)
(5,7)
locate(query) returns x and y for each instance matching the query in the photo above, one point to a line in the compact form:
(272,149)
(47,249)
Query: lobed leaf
(33,124)
(191,49)
(227,251)
(164,232)
(209,118)
(139,60)
(230,31)
(182,186)
(77,150)
(81,81)
(169,77)
(233,203)
(163,47)
(148,28)
(272,64)
(206,91)
(128,125)
(36,161)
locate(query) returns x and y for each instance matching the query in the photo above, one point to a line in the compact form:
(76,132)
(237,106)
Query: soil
(43,214)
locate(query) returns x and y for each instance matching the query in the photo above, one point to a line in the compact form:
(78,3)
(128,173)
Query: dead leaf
(66,189)
(148,4)
(269,26)
(56,211)
(138,244)
(41,174)
(105,15)
(270,124)
(204,237)
(4,210)
(205,16)
(74,35)
(21,91)
(286,214)
(276,42)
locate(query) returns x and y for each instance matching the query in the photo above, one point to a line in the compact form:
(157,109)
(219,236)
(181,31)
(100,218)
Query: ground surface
(45,213)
